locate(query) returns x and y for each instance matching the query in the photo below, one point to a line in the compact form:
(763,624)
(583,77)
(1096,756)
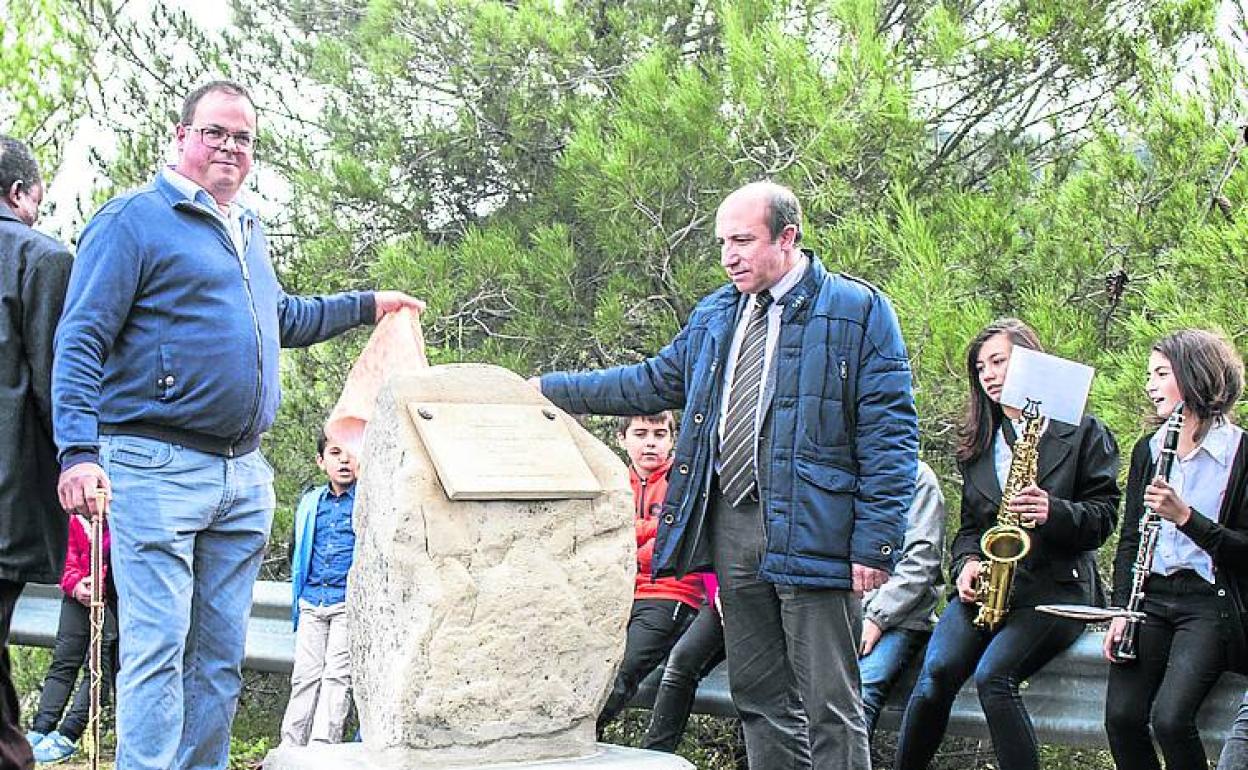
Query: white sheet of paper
(1060,386)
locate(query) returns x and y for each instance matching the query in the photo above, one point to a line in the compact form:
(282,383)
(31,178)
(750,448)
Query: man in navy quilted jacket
(793,471)
(164,380)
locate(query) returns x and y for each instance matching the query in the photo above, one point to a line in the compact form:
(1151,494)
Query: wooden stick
(95,666)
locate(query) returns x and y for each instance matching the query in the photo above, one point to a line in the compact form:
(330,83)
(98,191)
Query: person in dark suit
(1073,507)
(34,271)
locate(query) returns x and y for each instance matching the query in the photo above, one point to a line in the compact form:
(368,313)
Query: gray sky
(71,190)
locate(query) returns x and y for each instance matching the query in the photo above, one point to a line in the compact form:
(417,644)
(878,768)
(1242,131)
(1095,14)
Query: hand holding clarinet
(1160,502)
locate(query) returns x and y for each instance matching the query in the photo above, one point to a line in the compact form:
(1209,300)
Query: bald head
(781,206)
(758,227)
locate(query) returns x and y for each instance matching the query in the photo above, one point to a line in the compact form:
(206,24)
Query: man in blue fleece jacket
(164,380)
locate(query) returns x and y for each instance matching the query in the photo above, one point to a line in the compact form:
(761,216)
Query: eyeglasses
(215,136)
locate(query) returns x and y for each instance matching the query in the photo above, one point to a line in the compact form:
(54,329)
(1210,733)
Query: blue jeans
(880,669)
(188,532)
(999,661)
(1235,752)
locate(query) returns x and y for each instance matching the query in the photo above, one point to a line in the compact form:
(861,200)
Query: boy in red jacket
(662,608)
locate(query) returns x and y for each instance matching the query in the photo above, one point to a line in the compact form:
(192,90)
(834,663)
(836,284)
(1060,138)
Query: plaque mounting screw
(550,413)
(424,413)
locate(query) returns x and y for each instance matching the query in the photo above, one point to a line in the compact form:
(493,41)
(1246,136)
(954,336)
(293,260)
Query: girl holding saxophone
(1067,506)
(1196,567)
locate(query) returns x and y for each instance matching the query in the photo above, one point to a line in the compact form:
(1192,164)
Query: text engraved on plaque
(503,452)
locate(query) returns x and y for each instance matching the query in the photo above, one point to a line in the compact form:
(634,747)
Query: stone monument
(491,586)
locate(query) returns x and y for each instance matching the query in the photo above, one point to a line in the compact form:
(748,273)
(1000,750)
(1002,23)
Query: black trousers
(653,629)
(15,753)
(699,651)
(73,636)
(1000,661)
(1165,689)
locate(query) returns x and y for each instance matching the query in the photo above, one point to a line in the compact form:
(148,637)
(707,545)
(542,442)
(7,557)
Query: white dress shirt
(1200,480)
(782,287)
(1002,454)
(233,217)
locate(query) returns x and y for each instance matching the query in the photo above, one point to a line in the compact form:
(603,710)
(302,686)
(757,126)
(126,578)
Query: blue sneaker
(34,737)
(54,748)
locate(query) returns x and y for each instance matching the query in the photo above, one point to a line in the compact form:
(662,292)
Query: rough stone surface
(354,756)
(484,631)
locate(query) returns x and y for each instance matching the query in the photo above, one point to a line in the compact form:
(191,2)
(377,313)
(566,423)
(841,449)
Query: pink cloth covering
(396,344)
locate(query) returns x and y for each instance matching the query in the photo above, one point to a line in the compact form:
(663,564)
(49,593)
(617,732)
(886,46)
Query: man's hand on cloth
(393,301)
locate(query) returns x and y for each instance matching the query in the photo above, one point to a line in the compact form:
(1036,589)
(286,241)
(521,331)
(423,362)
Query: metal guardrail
(1066,699)
(270,641)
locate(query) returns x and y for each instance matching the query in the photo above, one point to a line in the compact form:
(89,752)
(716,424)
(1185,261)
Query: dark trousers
(15,753)
(653,628)
(999,661)
(73,638)
(699,651)
(792,656)
(1182,615)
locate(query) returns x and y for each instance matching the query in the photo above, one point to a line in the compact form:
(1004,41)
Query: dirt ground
(81,763)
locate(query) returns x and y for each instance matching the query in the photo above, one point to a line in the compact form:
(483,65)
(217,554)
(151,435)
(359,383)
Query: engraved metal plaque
(503,452)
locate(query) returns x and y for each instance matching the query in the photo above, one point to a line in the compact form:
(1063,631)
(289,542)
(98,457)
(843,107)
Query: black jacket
(1078,467)
(34,271)
(1225,539)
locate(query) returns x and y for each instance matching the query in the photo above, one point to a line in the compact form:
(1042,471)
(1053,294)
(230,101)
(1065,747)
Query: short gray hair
(783,209)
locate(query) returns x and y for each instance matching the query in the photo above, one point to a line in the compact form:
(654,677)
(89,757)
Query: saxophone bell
(1005,543)
(1004,546)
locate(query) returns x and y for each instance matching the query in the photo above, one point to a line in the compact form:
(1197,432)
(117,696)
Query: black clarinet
(1150,528)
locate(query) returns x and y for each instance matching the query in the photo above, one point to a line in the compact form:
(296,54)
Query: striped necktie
(737,471)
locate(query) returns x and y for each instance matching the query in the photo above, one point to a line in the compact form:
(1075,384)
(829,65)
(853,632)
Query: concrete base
(354,756)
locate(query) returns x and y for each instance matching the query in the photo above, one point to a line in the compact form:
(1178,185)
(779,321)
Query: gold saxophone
(1007,542)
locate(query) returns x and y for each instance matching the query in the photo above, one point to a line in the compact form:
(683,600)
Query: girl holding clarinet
(1193,571)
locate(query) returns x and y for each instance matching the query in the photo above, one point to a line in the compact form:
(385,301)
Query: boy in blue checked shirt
(324,543)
